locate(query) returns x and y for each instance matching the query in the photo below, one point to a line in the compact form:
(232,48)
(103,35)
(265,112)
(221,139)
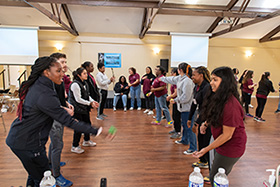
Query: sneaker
(188,152)
(125,109)
(146,111)
(62,164)
(150,112)
(139,108)
(154,117)
(256,118)
(277,111)
(169,124)
(251,106)
(103,115)
(62,182)
(114,109)
(131,108)
(172,132)
(201,165)
(207,180)
(261,120)
(175,135)
(99,118)
(89,143)
(155,123)
(249,115)
(78,150)
(178,142)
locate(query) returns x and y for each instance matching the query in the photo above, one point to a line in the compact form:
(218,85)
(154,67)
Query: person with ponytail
(265,86)
(247,90)
(184,98)
(201,78)
(39,106)
(223,112)
(93,89)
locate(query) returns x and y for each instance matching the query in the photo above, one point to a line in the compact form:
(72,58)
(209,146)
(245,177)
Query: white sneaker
(114,108)
(78,150)
(150,112)
(124,109)
(131,108)
(146,111)
(251,106)
(139,108)
(89,143)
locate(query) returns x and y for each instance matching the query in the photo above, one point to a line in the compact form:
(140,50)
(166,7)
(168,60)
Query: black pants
(77,135)
(261,104)
(150,102)
(35,163)
(103,98)
(247,100)
(176,115)
(203,141)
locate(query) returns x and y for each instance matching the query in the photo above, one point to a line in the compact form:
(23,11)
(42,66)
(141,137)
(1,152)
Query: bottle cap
(47,173)
(221,170)
(197,169)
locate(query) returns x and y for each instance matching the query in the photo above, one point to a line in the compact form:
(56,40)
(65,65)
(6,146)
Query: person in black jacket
(38,107)
(201,78)
(93,89)
(79,97)
(265,86)
(121,91)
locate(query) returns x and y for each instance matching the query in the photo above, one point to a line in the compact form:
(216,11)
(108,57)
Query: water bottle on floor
(220,179)
(196,179)
(48,180)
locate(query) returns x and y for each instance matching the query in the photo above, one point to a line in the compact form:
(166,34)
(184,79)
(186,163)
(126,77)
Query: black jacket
(198,99)
(265,87)
(93,89)
(60,90)
(118,88)
(40,108)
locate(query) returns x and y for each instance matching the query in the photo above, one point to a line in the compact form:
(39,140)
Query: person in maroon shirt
(247,90)
(223,112)
(135,88)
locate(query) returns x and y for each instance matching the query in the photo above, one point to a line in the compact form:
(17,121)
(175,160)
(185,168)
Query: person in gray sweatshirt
(184,98)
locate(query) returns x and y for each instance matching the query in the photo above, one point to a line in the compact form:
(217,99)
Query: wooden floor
(144,155)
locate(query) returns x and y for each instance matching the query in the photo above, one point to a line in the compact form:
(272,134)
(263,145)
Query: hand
(203,128)
(107,135)
(70,106)
(159,79)
(194,128)
(69,111)
(200,153)
(189,123)
(172,101)
(121,93)
(121,86)
(129,85)
(168,98)
(144,77)
(94,104)
(126,87)
(112,79)
(255,84)
(152,89)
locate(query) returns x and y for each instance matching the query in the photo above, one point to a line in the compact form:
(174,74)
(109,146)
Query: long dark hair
(151,71)
(37,69)
(214,102)
(248,76)
(77,72)
(265,76)
(204,71)
(133,70)
(120,79)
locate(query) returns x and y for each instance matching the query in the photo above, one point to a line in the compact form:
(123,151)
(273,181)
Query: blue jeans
(188,135)
(135,91)
(161,105)
(117,97)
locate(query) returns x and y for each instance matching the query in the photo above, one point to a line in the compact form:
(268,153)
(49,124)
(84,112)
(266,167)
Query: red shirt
(172,88)
(133,78)
(157,84)
(232,117)
(245,87)
(92,79)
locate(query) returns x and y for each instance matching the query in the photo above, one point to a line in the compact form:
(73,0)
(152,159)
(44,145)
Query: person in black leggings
(265,86)
(247,90)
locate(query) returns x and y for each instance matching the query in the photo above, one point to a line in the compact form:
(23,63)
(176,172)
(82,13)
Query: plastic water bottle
(220,179)
(48,180)
(196,179)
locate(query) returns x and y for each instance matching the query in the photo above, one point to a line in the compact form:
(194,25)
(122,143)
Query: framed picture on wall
(110,60)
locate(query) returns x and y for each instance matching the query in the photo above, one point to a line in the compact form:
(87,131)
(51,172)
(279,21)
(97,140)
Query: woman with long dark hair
(223,112)
(247,90)
(121,91)
(265,86)
(147,81)
(39,106)
(79,97)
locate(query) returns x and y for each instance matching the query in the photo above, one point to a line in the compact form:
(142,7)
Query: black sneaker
(277,111)
(172,132)
(261,120)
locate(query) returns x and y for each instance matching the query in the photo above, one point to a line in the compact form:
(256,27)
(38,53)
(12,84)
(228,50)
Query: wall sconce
(156,50)
(248,53)
(58,46)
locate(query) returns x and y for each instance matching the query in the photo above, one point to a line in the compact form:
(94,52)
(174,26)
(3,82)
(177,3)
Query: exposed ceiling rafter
(268,36)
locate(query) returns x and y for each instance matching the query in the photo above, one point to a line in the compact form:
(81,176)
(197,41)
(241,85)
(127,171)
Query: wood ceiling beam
(69,17)
(52,17)
(268,36)
(13,3)
(211,13)
(246,24)
(218,19)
